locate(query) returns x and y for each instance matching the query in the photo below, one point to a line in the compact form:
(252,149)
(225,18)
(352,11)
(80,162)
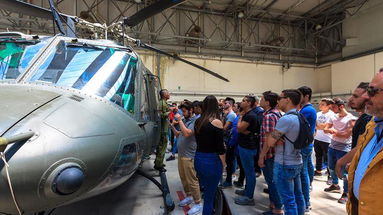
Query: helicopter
(77,117)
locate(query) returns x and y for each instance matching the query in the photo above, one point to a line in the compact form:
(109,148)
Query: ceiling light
(241,15)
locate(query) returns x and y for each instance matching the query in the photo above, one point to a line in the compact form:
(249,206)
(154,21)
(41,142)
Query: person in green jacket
(164,114)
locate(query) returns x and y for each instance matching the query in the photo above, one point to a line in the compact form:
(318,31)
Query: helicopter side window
(144,107)
(122,93)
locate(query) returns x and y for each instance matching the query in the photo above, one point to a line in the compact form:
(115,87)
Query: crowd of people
(275,135)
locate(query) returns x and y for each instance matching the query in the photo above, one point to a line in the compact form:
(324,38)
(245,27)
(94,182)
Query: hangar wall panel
(185,81)
(347,75)
(323,79)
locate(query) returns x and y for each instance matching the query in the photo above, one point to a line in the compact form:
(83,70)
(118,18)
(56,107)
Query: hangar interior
(258,45)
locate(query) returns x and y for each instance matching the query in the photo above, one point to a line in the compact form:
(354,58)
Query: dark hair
(338,102)
(187,105)
(197,104)
(238,104)
(271,97)
(328,101)
(294,95)
(209,110)
(363,85)
(231,100)
(305,90)
(250,99)
(162,91)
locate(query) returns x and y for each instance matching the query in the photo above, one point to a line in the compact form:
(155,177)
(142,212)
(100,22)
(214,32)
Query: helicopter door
(152,82)
(145,120)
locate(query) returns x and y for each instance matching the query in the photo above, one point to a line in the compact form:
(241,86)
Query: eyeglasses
(372,91)
(281,97)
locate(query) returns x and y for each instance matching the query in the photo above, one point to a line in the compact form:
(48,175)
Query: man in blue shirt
(288,160)
(230,150)
(307,174)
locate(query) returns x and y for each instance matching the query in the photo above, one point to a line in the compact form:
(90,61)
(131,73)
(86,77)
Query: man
(258,111)
(197,108)
(186,151)
(340,127)
(266,158)
(230,150)
(248,144)
(357,102)
(365,171)
(288,160)
(164,114)
(307,175)
(173,111)
(321,139)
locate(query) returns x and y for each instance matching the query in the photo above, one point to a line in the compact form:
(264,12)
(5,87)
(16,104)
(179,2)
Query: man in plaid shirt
(266,158)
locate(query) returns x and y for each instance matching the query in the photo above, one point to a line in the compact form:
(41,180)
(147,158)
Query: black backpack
(305,136)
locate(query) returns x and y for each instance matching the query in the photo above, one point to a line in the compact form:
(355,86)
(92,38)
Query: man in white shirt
(322,139)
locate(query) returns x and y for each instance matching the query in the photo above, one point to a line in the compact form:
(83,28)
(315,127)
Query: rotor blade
(150,11)
(29,9)
(143,45)
(56,17)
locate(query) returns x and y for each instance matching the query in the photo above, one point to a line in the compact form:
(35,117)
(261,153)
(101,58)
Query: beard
(372,110)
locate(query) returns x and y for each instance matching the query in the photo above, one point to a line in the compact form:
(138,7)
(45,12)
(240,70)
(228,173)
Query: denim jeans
(288,181)
(247,159)
(209,170)
(174,148)
(307,173)
(230,162)
(273,192)
(333,156)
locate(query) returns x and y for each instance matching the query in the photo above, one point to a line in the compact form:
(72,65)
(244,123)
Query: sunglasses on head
(372,91)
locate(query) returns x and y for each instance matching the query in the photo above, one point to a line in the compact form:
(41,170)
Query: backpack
(305,137)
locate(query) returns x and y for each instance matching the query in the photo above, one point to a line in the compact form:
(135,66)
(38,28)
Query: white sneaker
(196,209)
(186,201)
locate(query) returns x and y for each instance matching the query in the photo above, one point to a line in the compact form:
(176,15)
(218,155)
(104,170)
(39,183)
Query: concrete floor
(138,196)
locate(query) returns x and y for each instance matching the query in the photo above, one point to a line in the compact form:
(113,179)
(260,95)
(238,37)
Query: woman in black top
(210,155)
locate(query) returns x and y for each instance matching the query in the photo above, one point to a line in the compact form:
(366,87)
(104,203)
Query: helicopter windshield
(16,55)
(98,70)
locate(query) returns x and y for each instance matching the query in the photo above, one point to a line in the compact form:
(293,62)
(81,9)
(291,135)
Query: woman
(210,155)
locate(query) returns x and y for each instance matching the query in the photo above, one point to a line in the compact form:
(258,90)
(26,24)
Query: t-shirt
(230,117)
(187,145)
(234,133)
(310,114)
(285,153)
(359,128)
(341,124)
(250,141)
(323,118)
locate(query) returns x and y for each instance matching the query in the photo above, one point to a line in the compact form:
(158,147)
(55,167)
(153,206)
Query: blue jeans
(175,149)
(288,181)
(247,159)
(333,156)
(307,173)
(209,170)
(273,192)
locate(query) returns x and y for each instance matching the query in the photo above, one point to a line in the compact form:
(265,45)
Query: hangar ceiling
(292,31)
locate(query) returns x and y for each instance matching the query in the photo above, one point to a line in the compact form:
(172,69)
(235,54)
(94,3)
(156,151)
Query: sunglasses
(372,91)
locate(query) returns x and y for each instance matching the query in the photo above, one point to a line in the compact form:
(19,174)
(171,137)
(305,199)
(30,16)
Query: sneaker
(240,192)
(334,188)
(196,209)
(171,158)
(226,184)
(343,199)
(243,200)
(238,184)
(186,201)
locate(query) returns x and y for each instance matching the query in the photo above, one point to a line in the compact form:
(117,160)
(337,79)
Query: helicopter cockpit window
(16,55)
(98,70)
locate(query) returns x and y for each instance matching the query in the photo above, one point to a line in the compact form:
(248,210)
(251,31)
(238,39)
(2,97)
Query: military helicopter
(77,115)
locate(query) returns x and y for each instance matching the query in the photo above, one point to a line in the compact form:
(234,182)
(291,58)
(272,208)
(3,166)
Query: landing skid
(163,186)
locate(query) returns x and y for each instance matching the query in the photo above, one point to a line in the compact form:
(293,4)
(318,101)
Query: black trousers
(230,157)
(321,149)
